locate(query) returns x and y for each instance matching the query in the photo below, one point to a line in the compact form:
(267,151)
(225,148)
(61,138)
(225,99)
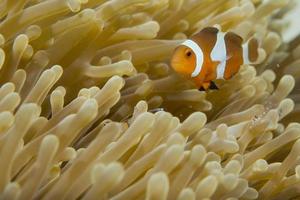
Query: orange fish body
(212,54)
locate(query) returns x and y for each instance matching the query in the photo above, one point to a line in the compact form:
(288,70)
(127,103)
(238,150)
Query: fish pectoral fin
(213,86)
(208,85)
(204,86)
(228,57)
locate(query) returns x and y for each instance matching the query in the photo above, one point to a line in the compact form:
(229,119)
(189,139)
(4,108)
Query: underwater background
(91,109)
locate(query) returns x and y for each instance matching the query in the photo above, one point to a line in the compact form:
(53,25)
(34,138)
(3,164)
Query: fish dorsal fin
(234,39)
(210,30)
(206,37)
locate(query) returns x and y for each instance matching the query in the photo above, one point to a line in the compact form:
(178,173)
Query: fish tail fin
(252,53)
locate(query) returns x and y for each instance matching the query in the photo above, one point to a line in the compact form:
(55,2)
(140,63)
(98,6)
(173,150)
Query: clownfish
(212,54)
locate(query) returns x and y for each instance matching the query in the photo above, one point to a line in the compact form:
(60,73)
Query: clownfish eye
(188,53)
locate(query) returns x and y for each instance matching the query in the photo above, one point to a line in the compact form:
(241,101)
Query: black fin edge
(213,86)
(201,89)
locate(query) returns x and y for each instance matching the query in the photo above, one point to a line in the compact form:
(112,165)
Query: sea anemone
(90,109)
